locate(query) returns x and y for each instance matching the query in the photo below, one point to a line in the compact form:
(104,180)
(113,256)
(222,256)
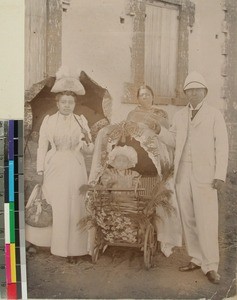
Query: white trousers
(199,213)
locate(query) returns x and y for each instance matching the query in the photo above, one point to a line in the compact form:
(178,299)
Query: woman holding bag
(62,171)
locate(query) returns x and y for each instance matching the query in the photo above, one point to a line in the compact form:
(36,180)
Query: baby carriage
(125,216)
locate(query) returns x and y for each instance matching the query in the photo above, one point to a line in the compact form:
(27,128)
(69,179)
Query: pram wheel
(95,249)
(150,245)
(95,254)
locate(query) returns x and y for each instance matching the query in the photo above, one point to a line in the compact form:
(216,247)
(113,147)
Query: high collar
(64,117)
(197,107)
(145,108)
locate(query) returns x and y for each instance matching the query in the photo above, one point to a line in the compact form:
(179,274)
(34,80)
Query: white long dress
(64,173)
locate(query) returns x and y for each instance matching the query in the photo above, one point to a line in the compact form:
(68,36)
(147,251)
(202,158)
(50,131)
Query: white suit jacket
(46,138)
(209,142)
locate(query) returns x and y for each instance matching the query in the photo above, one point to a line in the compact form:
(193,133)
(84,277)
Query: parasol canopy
(93,105)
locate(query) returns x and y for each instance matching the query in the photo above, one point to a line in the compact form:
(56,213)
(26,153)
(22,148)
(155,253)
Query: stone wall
(230,87)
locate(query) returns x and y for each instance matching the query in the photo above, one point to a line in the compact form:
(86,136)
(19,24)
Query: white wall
(94,40)
(205,42)
(12,59)
(205,47)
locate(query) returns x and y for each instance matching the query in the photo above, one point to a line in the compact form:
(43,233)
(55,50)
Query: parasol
(91,105)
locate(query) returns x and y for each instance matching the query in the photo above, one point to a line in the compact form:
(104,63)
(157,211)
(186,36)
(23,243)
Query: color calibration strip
(12,236)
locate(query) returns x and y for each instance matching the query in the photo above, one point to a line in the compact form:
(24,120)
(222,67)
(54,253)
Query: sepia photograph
(130,154)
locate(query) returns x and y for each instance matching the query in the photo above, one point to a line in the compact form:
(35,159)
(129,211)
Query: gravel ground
(119,272)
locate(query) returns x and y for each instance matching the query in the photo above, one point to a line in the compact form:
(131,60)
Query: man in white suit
(199,136)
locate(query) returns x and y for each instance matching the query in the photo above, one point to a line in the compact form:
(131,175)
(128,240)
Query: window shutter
(43,31)
(35,41)
(161,50)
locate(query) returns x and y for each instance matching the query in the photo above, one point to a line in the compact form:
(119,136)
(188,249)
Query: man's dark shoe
(213,277)
(190,267)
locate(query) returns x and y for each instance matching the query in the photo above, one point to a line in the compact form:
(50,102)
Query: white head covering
(127,151)
(194,80)
(65,81)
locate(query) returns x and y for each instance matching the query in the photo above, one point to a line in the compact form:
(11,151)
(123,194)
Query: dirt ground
(120,273)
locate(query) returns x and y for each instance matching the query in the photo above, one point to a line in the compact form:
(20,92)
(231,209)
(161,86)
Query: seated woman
(120,176)
(154,157)
(150,150)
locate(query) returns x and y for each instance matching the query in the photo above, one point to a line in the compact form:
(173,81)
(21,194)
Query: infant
(120,176)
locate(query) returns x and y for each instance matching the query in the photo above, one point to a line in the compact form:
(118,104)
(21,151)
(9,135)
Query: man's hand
(40,177)
(218,184)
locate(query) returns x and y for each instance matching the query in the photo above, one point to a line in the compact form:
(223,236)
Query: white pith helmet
(194,80)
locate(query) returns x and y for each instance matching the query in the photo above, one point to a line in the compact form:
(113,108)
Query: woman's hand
(86,138)
(152,122)
(87,148)
(157,128)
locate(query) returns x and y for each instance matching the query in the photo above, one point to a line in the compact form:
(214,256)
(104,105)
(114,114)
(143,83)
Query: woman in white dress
(63,172)
(146,116)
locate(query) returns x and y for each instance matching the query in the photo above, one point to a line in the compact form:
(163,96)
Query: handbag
(38,213)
